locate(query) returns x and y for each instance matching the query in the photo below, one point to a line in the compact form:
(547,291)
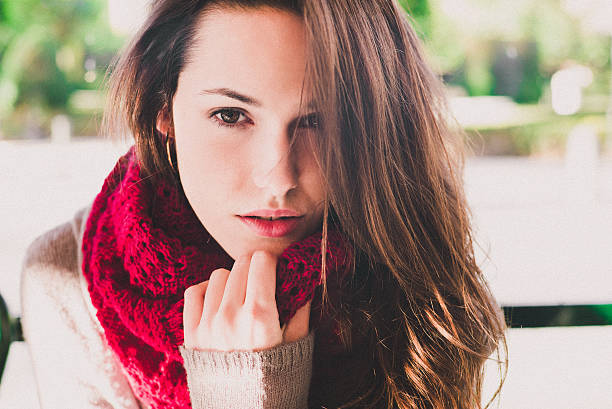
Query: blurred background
(529,81)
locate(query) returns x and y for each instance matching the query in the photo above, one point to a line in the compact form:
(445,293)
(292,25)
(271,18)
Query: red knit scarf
(142,247)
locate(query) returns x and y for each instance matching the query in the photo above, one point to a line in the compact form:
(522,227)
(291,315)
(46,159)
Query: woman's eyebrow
(238,96)
(232,94)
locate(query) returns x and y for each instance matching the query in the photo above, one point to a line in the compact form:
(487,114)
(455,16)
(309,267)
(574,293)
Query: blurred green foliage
(419,12)
(48,50)
(477,44)
(512,48)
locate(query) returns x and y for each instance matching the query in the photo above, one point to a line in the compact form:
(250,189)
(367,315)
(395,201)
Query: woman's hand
(236,311)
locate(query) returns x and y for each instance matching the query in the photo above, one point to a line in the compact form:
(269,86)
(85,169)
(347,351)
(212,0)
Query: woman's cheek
(216,172)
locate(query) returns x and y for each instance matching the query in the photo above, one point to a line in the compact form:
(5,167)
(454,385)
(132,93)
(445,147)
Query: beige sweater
(75,368)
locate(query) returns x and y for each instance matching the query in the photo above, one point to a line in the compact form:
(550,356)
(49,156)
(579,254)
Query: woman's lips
(271,228)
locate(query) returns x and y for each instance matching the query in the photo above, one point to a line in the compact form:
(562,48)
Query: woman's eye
(227,117)
(310,121)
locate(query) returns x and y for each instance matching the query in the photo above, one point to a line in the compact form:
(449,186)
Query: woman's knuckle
(259,310)
(225,315)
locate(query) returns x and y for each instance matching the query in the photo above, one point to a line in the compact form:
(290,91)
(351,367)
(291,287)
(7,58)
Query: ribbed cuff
(278,377)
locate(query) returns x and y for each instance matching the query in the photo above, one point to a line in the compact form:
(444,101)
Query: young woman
(289,229)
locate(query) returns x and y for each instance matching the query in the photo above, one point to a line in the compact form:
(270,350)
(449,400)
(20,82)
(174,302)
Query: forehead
(257,50)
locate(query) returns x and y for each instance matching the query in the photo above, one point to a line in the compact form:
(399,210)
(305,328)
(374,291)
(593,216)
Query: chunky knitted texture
(239,379)
(143,246)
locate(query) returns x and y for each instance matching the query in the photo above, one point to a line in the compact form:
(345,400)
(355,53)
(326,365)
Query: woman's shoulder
(73,365)
(50,269)
(56,251)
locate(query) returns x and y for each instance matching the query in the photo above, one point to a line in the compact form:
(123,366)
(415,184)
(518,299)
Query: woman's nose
(274,169)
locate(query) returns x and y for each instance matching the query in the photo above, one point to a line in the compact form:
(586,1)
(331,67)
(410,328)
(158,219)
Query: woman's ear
(164,122)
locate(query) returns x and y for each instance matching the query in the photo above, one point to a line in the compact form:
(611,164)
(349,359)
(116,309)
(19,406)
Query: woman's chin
(274,246)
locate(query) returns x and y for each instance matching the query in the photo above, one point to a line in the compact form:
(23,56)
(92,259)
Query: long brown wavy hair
(417,310)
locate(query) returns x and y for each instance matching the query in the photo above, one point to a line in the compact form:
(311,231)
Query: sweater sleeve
(277,378)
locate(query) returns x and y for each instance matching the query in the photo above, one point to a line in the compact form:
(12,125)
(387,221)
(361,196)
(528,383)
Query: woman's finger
(214,292)
(194,303)
(235,288)
(261,284)
(298,325)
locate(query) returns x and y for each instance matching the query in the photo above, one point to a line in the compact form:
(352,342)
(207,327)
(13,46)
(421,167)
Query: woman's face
(234,113)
